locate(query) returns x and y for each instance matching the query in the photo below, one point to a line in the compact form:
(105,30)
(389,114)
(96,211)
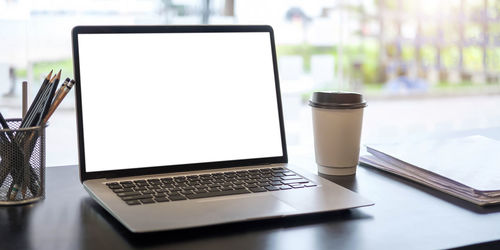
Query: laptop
(182,127)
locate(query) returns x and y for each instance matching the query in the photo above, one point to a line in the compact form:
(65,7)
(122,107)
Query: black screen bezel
(84,175)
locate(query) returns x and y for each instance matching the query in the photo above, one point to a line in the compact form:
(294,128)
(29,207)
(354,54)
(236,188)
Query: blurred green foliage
(41,69)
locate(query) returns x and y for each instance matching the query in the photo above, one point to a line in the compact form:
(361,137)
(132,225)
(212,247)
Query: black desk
(405,216)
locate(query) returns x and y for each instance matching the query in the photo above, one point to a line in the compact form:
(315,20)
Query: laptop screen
(165,99)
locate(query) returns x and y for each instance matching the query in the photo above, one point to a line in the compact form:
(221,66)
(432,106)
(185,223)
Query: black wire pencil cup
(22,166)
(22,144)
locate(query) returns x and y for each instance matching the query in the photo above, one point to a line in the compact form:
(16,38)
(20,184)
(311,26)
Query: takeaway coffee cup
(337,121)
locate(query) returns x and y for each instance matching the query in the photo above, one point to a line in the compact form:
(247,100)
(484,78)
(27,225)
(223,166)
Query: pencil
(63,86)
(49,99)
(62,92)
(37,97)
(33,117)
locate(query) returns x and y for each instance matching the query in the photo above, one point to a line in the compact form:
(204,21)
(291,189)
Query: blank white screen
(177,98)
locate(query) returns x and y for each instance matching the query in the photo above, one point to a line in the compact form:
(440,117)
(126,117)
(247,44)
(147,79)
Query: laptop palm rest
(209,211)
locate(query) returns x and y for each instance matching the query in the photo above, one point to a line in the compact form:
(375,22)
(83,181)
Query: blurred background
(425,67)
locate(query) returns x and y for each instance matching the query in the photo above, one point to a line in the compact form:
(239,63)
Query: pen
(25,98)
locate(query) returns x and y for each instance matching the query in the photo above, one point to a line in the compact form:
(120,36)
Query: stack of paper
(466,167)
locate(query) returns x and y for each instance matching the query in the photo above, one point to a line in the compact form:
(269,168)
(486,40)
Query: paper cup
(337,122)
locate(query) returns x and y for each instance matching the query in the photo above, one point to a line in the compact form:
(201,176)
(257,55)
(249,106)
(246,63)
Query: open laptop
(182,126)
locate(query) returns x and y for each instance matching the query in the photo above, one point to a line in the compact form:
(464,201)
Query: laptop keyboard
(156,190)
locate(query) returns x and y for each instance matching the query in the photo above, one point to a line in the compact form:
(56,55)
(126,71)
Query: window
(424,66)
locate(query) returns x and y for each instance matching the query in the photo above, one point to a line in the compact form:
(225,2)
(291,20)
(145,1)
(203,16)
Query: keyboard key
(161,199)
(310,185)
(128,185)
(133,202)
(147,201)
(176,198)
(161,195)
(272,188)
(297,185)
(257,189)
(137,197)
(213,189)
(291,177)
(114,185)
(130,198)
(128,194)
(215,194)
(295,181)
(285,187)
(122,190)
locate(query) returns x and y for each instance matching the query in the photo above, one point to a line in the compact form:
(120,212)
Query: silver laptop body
(167,108)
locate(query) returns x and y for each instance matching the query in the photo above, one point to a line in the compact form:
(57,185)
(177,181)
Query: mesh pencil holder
(22,163)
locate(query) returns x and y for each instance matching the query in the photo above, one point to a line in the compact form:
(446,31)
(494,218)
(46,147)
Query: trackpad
(224,208)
